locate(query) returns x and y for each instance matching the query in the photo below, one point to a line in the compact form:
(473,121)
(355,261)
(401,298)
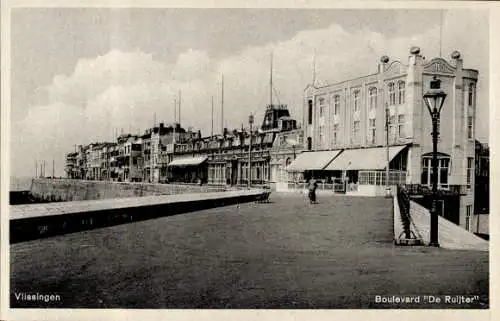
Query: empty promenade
(284,254)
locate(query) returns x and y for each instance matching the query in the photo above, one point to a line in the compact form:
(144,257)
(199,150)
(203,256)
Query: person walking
(312,186)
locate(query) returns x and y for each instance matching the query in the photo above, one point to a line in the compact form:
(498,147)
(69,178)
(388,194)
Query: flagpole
(212,131)
(314,69)
(441,36)
(175,119)
(271,84)
(180,99)
(222,106)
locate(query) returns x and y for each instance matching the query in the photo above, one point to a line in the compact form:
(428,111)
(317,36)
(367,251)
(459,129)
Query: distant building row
(172,154)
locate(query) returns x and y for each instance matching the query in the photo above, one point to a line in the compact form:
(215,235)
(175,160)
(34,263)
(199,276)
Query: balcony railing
(379,178)
(443,189)
(331,187)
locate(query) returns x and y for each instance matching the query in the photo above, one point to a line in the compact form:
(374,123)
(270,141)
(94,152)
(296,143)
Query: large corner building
(345,129)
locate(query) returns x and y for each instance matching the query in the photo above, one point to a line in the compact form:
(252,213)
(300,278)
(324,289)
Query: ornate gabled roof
(439,65)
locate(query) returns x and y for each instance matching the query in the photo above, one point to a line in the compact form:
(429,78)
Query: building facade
(225,158)
(286,147)
(482,179)
(356,119)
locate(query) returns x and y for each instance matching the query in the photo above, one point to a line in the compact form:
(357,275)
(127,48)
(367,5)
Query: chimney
(459,63)
(383,64)
(415,56)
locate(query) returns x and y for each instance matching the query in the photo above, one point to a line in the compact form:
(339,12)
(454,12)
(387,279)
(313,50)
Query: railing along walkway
(410,234)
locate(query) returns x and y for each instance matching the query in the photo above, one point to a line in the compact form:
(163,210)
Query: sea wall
(65,190)
(35,221)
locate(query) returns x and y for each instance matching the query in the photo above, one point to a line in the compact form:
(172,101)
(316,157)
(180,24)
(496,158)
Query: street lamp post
(387,172)
(250,121)
(434,99)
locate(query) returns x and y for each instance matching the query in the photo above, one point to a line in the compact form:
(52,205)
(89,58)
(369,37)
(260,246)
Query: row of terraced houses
(173,154)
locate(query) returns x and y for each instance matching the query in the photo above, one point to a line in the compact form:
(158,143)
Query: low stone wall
(35,221)
(80,190)
(451,236)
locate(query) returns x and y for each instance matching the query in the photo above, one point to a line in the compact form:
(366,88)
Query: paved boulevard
(285,254)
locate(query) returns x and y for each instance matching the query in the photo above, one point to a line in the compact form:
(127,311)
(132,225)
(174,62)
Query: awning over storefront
(188,161)
(310,161)
(364,158)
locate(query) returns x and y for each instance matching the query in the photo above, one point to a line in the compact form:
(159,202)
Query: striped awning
(364,158)
(310,161)
(188,161)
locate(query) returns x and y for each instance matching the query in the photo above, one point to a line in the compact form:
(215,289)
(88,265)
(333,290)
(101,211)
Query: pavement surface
(284,254)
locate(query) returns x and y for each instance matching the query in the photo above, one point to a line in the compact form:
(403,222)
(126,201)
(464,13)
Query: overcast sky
(80,74)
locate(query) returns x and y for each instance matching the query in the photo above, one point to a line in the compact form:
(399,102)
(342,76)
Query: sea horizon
(20,183)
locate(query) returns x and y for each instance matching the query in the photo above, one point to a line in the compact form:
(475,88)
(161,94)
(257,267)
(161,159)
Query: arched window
(372,94)
(392,94)
(310,112)
(442,172)
(288,161)
(471,94)
(336,104)
(355,98)
(401,92)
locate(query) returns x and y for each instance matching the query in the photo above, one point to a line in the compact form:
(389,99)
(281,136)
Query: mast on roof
(212,131)
(222,105)
(271,83)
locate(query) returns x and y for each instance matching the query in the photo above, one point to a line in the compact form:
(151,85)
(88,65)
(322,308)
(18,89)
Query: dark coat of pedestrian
(312,186)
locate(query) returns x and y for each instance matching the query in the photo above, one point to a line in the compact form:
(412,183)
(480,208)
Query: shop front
(188,170)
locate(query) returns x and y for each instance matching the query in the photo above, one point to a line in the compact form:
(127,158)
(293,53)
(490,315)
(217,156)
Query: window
(310,112)
(471,95)
(468,215)
(392,127)
(401,126)
(392,94)
(336,104)
(442,172)
(335,133)
(372,131)
(355,130)
(401,92)
(372,93)
(309,143)
(470,127)
(355,97)
(470,169)
(321,107)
